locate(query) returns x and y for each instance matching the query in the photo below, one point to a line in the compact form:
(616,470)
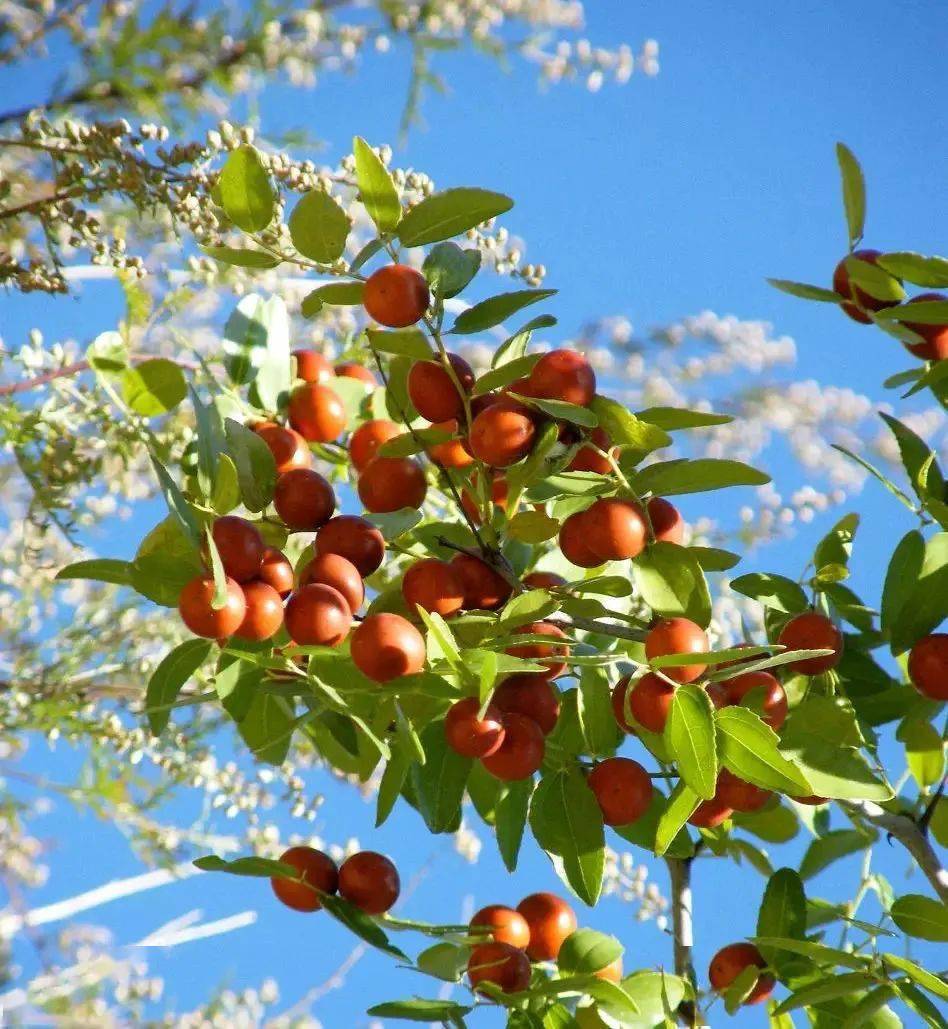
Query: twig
(679,871)
(68,370)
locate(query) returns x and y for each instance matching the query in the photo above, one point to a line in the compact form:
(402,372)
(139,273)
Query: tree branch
(679,872)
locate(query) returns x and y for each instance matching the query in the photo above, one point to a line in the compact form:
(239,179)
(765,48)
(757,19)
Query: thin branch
(679,872)
(69,370)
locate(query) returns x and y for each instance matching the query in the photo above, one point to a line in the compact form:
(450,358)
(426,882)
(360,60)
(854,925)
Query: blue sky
(655,200)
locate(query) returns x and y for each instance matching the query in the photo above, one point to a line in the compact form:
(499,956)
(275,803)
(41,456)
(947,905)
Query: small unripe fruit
(288,447)
(365,441)
(614,529)
(396,296)
(533,696)
(432,391)
(484,589)
(312,366)
(317,413)
(928,666)
(318,872)
(303,499)
(548,654)
(387,646)
(677,636)
(194,605)
(240,546)
(728,964)
(521,752)
(550,920)
(769,700)
(506,967)
(812,631)
(471,735)
(563,375)
(573,540)
(391,483)
(369,881)
(264,612)
(317,615)
(506,925)
(276,571)
(355,539)
(667,523)
(433,585)
(935,347)
(651,700)
(863,300)
(338,572)
(354,370)
(622,789)
(501,435)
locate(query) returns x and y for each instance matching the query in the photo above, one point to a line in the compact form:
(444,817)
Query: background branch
(679,872)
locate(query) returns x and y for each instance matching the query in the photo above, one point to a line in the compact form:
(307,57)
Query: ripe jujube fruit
(728,964)
(622,789)
(548,654)
(338,572)
(317,413)
(738,794)
(433,392)
(863,301)
(369,881)
(550,920)
(433,585)
(354,370)
(521,752)
(506,925)
(533,696)
(615,529)
(677,636)
(563,375)
(573,540)
(264,612)
(612,972)
(502,434)
(288,447)
(396,296)
(391,483)
(240,546)
(312,366)
(543,580)
(667,523)
(317,871)
(387,646)
(303,499)
(484,589)
(506,967)
(619,698)
(317,615)
(710,813)
(198,614)
(451,453)
(812,631)
(935,347)
(276,571)
(365,441)
(928,666)
(770,701)
(586,459)
(355,539)
(471,734)
(650,700)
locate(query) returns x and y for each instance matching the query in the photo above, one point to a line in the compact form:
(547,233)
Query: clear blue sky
(654,200)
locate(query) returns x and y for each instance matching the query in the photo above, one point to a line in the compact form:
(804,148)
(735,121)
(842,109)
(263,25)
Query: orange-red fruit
(549,654)
(506,925)
(615,529)
(276,571)
(928,666)
(264,614)
(812,631)
(288,447)
(435,586)
(563,375)
(317,615)
(355,539)
(432,391)
(710,813)
(316,412)
(619,693)
(386,646)
(240,546)
(396,296)
(533,696)
(677,636)
(471,735)
(312,366)
(587,460)
(612,972)
(338,572)
(194,604)
(370,881)
(651,701)
(318,871)
(550,920)
(667,523)
(573,540)
(543,580)
(303,499)
(935,347)
(520,754)
(622,789)
(391,483)
(738,794)
(845,288)
(502,434)
(452,453)
(770,701)
(369,436)
(354,370)
(505,966)
(483,588)
(728,964)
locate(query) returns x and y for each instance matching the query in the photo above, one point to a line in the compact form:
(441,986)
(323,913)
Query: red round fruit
(303,499)
(728,964)
(717,691)
(316,412)
(550,920)
(433,392)
(276,571)
(740,795)
(667,523)
(501,435)
(506,925)
(573,542)
(935,347)
(619,699)
(365,441)
(533,696)
(198,614)
(677,636)
(264,614)
(622,789)
(391,483)
(355,539)
(484,589)
(506,967)
(812,631)
(387,646)
(433,585)
(520,754)
(614,529)
(863,301)
(318,872)
(549,654)
(543,580)
(338,572)
(564,375)
(354,370)
(710,813)
(651,700)
(928,666)
(312,366)
(468,733)
(452,453)
(396,296)
(317,615)
(586,459)
(288,447)
(369,881)
(240,546)
(770,700)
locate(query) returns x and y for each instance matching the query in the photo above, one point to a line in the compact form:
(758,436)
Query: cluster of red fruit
(934,345)
(367,880)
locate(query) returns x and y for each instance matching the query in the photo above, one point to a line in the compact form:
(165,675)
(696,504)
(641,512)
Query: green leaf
(153,387)
(256,867)
(440,640)
(690,737)
(497,378)
(596,718)
(256,348)
(586,951)
(673,418)
(656,994)
(854,192)
(100,569)
(256,467)
(830,847)
(681,806)
(179,508)
(390,786)
(562,411)
(241,258)
(926,601)
(445,961)
(625,429)
(404,342)
(166,560)
(773,591)
(827,989)
(166,680)
(782,910)
(450,213)
(670,580)
(319,227)
(673,478)
(267,728)
(532,527)
(209,443)
(925,312)
(916,268)
(515,346)
(417,1010)
(806,291)
(712,559)
(495,310)
(376,189)
(922,917)
(904,569)
(838,772)
(510,818)
(449,268)
(226,493)
(933,983)
(336,294)
(916,453)
(875,281)
(875,473)
(245,191)
(773,824)
(924,750)
(532,606)
(358,922)
(822,955)
(439,783)
(748,748)
(739,989)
